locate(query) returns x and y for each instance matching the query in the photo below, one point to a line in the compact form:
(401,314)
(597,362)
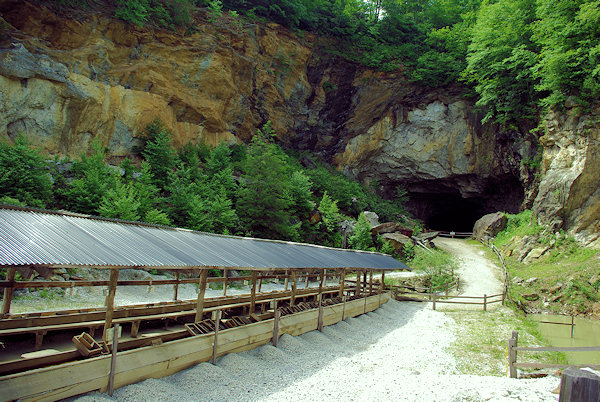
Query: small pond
(586,333)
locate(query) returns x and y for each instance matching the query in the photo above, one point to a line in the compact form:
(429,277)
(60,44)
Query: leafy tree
(157,217)
(500,60)
(569,34)
(147,192)
(23,174)
(361,239)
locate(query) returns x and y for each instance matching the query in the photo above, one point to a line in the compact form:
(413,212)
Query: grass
(568,275)
(481,341)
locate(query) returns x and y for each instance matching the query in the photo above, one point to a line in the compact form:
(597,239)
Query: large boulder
(489,225)
(391,227)
(397,240)
(372,218)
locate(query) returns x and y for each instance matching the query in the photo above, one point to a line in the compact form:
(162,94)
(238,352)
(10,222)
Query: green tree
(361,239)
(120,201)
(262,200)
(23,174)
(159,153)
(569,64)
(92,180)
(500,60)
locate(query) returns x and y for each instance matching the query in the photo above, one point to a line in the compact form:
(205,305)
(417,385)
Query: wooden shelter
(111,346)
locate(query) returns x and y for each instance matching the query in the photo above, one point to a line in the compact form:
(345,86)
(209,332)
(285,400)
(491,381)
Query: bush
(23,174)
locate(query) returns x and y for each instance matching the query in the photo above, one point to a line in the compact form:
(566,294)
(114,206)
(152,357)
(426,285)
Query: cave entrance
(446,212)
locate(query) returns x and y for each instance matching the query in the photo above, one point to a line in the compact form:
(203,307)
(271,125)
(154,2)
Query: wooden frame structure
(70,352)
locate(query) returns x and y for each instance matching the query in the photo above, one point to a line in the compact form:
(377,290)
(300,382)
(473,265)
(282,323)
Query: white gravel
(399,352)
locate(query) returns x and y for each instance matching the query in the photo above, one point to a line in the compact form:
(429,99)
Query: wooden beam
(176,286)
(260,283)
(370,282)
(382,285)
(322,276)
(253,293)
(201,292)
(293,298)
(287,280)
(306,284)
(225,280)
(8,292)
(320,317)
(342,282)
(276,324)
(110,302)
(113,360)
(357,289)
(216,338)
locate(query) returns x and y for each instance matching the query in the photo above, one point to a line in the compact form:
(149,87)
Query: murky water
(585,333)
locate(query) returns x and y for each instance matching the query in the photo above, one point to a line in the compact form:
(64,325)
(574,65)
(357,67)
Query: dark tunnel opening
(441,206)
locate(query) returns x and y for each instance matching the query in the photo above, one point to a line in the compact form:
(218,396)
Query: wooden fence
(513,350)
(492,247)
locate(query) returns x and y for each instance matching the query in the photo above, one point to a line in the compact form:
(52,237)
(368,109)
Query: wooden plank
(253,292)
(293,298)
(559,349)
(8,291)
(113,360)
(176,286)
(216,337)
(512,354)
(110,302)
(201,291)
(276,324)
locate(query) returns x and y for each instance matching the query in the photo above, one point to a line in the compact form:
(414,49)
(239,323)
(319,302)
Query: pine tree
(362,239)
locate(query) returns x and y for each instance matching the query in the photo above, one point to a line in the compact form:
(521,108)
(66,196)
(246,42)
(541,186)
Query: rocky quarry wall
(67,80)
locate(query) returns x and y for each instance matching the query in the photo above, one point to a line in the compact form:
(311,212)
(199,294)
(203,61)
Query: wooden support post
(176,286)
(572,325)
(260,283)
(135,328)
(512,354)
(39,339)
(370,282)
(343,308)
(8,292)
(322,276)
(342,282)
(364,285)
(320,319)
(382,287)
(216,338)
(293,298)
(276,324)
(287,280)
(484,302)
(201,292)
(113,361)
(357,290)
(579,386)
(110,302)
(225,280)
(253,292)
(434,301)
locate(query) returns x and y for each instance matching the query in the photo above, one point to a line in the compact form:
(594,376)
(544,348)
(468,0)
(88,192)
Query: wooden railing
(513,350)
(506,278)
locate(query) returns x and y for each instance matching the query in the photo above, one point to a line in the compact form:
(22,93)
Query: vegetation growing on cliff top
(256,190)
(518,55)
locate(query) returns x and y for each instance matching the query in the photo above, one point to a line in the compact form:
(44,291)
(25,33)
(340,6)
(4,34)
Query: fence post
(484,302)
(512,354)
(579,385)
(434,301)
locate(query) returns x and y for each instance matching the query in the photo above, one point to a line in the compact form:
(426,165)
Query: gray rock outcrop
(489,225)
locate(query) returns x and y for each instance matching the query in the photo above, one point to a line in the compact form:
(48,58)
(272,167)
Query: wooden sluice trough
(57,354)
(247,321)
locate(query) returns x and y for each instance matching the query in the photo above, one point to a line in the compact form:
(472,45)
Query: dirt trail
(478,275)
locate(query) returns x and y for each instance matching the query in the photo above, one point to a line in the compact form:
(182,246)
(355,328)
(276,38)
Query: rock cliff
(67,80)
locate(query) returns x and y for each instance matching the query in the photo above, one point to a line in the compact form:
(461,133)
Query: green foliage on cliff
(23,174)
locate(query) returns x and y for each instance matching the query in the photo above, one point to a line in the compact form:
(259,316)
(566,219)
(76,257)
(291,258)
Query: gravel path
(478,275)
(398,352)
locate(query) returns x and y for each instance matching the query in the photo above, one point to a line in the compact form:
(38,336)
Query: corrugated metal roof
(35,237)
